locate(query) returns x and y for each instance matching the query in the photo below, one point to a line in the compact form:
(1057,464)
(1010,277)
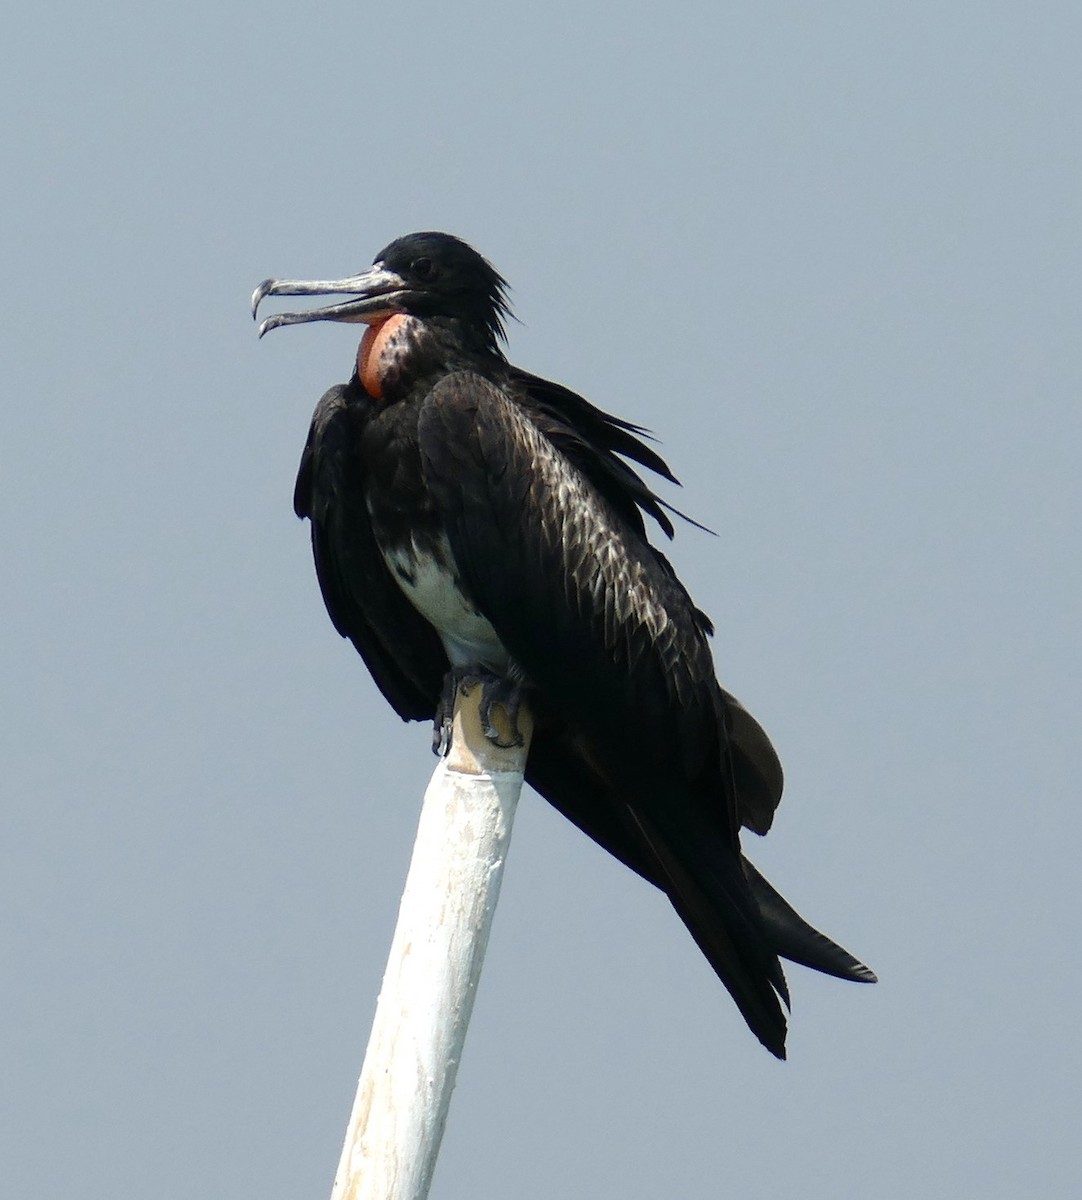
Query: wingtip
(798,941)
(777,1048)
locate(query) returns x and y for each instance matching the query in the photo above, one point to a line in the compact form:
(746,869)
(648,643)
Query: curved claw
(508,695)
(495,692)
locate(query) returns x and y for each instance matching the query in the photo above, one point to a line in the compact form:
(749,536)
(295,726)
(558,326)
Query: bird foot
(495,690)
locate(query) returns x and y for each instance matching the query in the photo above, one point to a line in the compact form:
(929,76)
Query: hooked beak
(376,292)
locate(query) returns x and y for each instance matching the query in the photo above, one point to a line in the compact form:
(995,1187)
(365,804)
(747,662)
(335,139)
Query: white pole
(435,961)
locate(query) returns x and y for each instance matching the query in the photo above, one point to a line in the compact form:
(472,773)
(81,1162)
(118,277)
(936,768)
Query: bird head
(424,275)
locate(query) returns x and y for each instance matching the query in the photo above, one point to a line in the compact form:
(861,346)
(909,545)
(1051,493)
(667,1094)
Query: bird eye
(423,268)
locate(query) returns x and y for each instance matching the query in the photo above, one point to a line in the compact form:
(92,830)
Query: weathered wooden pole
(435,961)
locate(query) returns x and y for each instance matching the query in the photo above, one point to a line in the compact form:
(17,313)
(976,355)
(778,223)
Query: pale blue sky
(831,255)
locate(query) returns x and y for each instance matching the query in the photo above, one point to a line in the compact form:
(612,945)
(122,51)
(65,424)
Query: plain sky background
(830,254)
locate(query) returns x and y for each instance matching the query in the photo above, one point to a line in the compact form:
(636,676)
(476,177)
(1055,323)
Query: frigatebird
(470,520)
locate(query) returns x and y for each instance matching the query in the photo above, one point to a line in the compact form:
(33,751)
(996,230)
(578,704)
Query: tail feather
(793,938)
(712,897)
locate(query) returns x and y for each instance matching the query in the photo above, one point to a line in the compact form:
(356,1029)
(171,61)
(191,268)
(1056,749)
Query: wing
(596,443)
(400,649)
(579,598)
(615,652)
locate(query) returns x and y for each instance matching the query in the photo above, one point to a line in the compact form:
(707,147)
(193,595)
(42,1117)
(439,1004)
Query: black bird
(468,517)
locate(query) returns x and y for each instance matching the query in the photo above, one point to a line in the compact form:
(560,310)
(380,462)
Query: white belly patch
(429,581)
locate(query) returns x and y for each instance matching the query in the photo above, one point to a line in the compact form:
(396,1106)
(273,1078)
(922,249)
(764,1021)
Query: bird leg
(495,690)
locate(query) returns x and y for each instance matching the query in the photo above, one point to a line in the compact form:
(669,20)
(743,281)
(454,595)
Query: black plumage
(465,513)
